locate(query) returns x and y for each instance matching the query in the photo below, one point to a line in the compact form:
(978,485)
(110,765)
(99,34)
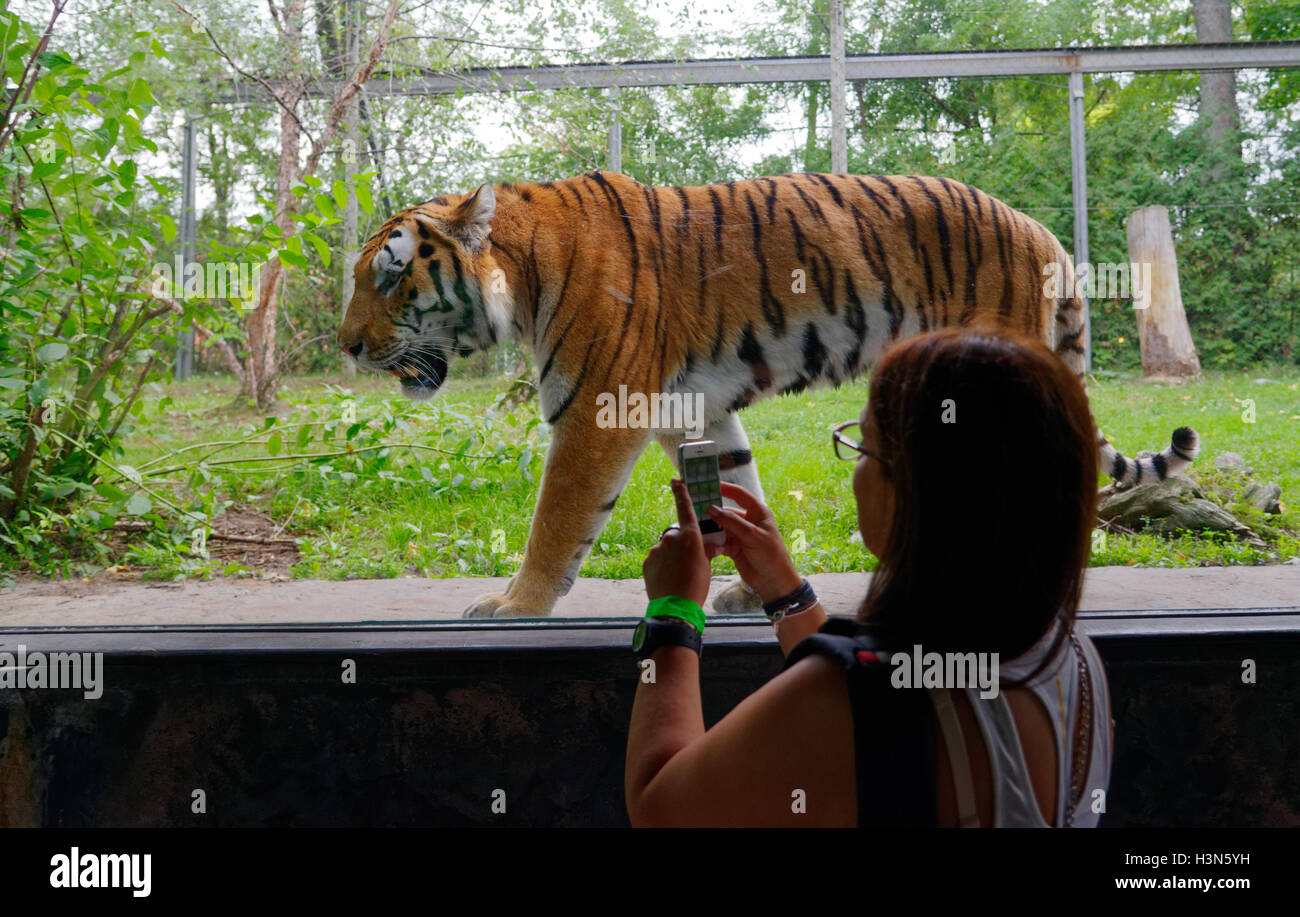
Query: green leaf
(168,226)
(52,352)
(290,258)
(109,492)
(53,60)
(274,443)
(140,95)
(138,505)
(14,384)
(363,197)
(322,249)
(340,194)
(324,204)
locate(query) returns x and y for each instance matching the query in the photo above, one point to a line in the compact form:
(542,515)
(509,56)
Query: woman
(975,482)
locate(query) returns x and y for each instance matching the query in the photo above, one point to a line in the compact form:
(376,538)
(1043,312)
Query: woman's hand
(678,564)
(755,545)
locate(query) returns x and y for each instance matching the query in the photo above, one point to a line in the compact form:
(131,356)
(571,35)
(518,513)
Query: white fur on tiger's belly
(728,377)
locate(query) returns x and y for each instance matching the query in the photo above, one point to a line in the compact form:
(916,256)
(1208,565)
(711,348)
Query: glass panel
(277,483)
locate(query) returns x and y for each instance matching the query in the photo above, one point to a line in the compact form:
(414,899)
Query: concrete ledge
(99,603)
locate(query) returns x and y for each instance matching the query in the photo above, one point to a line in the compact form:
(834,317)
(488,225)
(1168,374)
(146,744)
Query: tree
(260,370)
(1218,87)
(82,327)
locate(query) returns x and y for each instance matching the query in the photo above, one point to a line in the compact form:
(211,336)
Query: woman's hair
(991,450)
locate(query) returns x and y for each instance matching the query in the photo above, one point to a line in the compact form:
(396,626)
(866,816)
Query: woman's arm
(791,630)
(783,757)
(667,716)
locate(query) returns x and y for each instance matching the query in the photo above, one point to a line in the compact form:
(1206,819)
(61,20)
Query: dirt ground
(106,600)
(247,536)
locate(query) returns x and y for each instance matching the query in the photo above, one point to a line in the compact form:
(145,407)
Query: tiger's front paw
(499,605)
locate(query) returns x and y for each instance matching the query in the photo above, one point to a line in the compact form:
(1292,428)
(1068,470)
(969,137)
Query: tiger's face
(420,290)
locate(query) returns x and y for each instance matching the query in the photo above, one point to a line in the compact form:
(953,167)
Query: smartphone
(699,466)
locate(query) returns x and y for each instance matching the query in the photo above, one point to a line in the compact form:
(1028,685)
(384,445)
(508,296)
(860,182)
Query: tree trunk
(349,165)
(1166,341)
(261,380)
(261,370)
(261,377)
(1218,87)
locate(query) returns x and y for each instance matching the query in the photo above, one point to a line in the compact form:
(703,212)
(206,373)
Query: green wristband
(674,606)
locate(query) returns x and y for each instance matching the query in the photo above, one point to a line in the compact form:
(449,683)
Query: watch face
(638,636)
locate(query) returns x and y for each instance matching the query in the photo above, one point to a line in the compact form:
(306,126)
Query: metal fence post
(1079,185)
(839,139)
(185,339)
(615,161)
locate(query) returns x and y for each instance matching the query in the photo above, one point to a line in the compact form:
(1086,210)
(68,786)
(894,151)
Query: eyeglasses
(849,449)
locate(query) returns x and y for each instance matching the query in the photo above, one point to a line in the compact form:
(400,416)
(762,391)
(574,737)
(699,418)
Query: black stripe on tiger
(813,207)
(729,460)
(814,352)
(830,186)
(909,218)
(941,224)
(773,311)
(634,253)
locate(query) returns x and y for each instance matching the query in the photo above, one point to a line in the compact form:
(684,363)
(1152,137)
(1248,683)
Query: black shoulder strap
(842,649)
(893,732)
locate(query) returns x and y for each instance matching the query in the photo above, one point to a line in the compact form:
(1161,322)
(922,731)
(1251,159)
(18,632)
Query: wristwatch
(652,633)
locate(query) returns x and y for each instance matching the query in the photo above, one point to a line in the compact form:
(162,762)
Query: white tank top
(1058,687)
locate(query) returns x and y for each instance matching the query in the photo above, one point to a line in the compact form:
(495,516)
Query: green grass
(369,525)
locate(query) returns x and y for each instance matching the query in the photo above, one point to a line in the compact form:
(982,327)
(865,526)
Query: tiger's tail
(1183,445)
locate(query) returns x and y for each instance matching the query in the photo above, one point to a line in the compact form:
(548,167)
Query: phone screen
(702,482)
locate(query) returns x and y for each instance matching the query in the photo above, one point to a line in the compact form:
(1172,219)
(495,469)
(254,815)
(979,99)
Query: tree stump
(1166,341)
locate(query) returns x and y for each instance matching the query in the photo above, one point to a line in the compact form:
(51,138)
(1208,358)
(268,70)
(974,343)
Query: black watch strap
(653,633)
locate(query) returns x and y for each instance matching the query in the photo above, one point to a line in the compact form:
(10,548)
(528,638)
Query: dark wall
(427,734)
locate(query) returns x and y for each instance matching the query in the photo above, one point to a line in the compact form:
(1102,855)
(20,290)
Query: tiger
(737,291)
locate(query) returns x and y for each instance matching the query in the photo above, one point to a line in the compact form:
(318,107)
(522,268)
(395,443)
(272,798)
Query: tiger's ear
(471,222)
